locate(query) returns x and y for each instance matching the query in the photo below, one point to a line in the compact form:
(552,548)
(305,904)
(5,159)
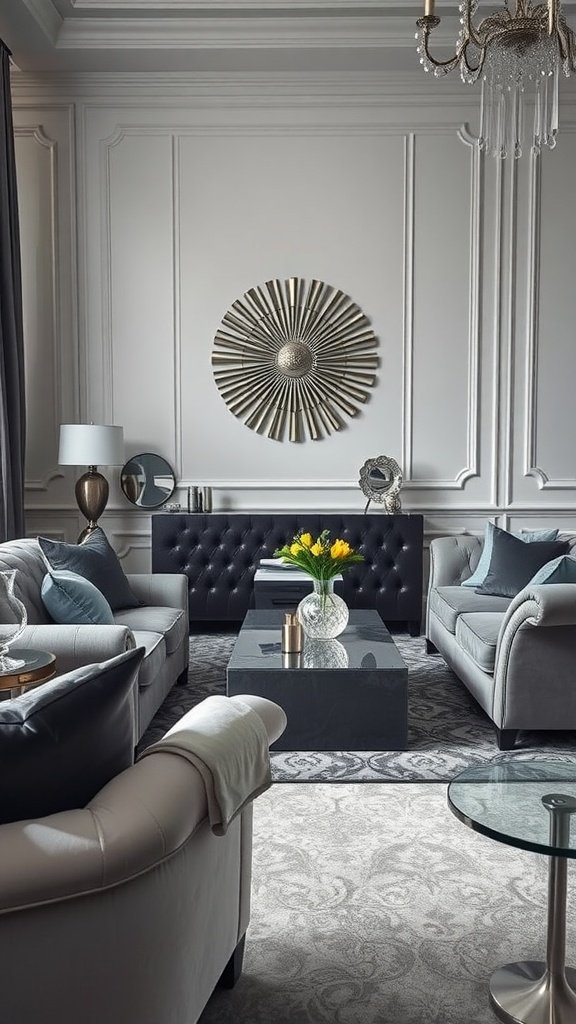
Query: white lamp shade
(91,444)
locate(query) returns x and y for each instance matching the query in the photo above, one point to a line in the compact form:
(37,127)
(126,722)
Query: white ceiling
(218,35)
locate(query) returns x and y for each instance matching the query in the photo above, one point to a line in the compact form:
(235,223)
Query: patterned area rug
(447,729)
(374,905)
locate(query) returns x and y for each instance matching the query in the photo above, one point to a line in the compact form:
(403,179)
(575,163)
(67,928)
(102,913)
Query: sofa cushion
(154,656)
(559,570)
(528,536)
(172,623)
(513,563)
(96,560)
(477,633)
(62,741)
(71,599)
(450,602)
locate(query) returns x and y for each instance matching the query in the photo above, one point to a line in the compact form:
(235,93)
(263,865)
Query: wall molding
(39,135)
(471,470)
(176,307)
(408,306)
(531,468)
(130,540)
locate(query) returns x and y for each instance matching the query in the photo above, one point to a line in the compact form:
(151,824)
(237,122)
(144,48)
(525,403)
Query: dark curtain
(12,405)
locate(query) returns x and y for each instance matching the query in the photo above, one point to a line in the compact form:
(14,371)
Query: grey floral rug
(374,905)
(447,729)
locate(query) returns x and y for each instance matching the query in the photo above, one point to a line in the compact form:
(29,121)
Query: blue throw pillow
(513,563)
(97,561)
(481,571)
(559,570)
(71,599)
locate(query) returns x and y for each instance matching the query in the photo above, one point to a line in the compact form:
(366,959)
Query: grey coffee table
(344,694)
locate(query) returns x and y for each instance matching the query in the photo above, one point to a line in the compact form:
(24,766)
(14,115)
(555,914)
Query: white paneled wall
(148,209)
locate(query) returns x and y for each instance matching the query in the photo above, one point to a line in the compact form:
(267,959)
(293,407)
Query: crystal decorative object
(323,614)
(325,654)
(517,55)
(12,607)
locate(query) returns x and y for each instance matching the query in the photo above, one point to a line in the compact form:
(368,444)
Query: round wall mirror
(381,480)
(147,480)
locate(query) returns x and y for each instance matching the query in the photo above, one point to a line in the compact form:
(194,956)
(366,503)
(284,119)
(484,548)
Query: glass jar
(11,631)
(323,614)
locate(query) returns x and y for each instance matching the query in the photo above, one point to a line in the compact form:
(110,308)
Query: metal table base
(533,992)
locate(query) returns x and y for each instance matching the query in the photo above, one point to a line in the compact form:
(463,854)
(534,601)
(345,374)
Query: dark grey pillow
(97,562)
(61,742)
(514,562)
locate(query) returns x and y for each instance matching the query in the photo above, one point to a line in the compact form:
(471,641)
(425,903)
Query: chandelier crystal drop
(516,55)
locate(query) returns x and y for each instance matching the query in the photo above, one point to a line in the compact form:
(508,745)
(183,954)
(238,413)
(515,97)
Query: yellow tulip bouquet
(322,559)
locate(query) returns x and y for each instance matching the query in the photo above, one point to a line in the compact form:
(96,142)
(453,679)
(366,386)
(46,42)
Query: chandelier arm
(552,16)
(451,63)
(470,30)
(566,43)
(474,70)
(563,42)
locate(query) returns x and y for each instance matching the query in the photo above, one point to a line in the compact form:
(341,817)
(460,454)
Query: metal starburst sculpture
(295,358)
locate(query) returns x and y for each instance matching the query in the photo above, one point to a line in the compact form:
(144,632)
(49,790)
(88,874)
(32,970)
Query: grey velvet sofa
(160,625)
(517,657)
(131,908)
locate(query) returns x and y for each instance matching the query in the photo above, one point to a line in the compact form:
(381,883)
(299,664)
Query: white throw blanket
(227,742)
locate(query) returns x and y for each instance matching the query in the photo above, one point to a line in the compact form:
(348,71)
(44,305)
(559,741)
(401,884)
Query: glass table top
(514,802)
(365,644)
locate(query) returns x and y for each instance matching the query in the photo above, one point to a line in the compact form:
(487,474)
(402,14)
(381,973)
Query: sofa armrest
(534,674)
(453,559)
(78,645)
(137,821)
(163,589)
(551,605)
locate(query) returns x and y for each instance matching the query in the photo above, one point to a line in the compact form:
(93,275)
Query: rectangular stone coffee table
(344,694)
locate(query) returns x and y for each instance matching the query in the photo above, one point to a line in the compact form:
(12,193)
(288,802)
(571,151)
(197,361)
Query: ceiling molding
(350,88)
(46,16)
(212,6)
(220,36)
(240,33)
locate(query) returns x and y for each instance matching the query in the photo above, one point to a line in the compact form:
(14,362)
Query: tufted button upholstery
(26,557)
(220,553)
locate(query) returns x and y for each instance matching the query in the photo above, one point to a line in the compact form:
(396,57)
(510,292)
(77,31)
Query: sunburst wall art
(294,360)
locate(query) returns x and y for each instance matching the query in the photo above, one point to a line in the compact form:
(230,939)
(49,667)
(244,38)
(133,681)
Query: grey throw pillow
(61,742)
(513,563)
(97,562)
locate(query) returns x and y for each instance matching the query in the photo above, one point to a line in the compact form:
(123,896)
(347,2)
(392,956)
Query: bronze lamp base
(91,494)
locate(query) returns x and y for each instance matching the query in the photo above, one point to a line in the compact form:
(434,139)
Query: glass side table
(34,667)
(528,805)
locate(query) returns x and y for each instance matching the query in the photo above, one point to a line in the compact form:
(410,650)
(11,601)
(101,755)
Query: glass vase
(12,630)
(323,614)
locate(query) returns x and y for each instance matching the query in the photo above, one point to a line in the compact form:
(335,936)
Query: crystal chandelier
(513,53)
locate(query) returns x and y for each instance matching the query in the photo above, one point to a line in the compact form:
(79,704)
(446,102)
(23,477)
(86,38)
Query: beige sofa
(517,657)
(128,911)
(160,625)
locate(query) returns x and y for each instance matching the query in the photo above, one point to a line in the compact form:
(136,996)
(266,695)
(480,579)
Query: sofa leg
(414,627)
(430,648)
(233,968)
(183,677)
(506,738)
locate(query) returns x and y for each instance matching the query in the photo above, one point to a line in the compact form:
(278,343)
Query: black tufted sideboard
(220,553)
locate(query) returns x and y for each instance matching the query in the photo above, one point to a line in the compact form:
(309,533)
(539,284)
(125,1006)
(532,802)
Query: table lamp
(92,445)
